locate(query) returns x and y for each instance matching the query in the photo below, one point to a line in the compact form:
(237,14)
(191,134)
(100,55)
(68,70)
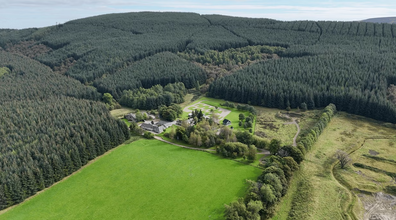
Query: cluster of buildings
(159,126)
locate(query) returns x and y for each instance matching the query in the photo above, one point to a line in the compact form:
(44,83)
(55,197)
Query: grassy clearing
(206,104)
(271,127)
(126,122)
(187,100)
(146,179)
(4,70)
(119,113)
(345,132)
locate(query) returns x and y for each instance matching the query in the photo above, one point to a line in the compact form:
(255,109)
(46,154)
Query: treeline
(154,97)
(264,194)
(44,141)
(356,84)
(307,140)
(160,69)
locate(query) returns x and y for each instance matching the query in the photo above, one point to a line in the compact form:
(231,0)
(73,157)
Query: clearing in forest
(270,126)
(146,179)
(210,106)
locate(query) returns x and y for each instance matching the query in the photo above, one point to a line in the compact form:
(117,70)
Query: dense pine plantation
(346,63)
(29,79)
(350,64)
(160,69)
(154,97)
(45,134)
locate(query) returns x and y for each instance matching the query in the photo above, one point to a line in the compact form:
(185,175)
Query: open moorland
(146,179)
(322,190)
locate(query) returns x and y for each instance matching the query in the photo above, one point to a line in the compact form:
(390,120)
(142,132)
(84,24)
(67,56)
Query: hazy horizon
(20,14)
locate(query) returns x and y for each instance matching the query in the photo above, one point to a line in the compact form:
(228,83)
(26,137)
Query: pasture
(146,179)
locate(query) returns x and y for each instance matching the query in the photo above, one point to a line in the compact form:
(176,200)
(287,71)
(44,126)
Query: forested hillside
(48,129)
(323,62)
(52,79)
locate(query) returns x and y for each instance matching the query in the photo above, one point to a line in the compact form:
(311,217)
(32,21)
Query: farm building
(226,122)
(130,117)
(153,128)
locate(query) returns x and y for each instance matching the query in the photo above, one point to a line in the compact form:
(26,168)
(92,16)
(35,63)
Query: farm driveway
(222,115)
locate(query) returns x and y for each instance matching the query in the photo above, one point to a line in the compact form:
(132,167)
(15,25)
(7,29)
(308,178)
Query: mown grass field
(146,179)
(328,199)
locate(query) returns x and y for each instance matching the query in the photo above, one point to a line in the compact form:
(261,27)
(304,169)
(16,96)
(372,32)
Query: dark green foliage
(260,142)
(160,69)
(237,149)
(44,141)
(274,146)
(245,137)
(148,135)
(170,113)
(155,96)
(248,108)
(293,152)
(374,169)
(30,79)
(239,210)
(317,81)
(391,190)
(271,185)
(300,207)
(380,158)
(233,56)
(308,139)
(216,38)
(228,104)
(117,40)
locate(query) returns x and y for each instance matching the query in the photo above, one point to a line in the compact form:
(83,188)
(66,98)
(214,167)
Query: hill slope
(389,20)
(348,63)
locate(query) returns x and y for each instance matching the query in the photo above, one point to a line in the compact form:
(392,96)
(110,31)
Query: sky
(18,14)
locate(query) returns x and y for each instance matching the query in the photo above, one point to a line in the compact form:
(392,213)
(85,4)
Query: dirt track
(298,130)
(380,206)
(222,115)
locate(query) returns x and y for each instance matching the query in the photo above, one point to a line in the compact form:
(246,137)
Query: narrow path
(192,148)
(298,130)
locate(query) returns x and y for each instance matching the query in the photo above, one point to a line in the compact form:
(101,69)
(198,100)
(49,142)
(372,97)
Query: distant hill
(389,20)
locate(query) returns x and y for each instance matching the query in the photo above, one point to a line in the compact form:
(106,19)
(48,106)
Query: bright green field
(146,179)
